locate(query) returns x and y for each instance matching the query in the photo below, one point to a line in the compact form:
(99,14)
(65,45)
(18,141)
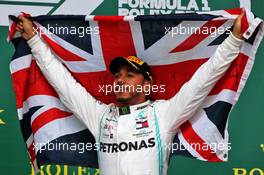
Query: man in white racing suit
(134,133)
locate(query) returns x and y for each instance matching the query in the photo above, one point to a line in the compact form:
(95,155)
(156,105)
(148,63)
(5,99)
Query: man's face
(126,84)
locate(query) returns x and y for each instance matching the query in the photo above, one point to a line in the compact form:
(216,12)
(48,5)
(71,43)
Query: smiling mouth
(122,88)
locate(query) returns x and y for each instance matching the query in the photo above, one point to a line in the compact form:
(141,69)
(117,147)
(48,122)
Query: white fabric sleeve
(183,105)
(72,94)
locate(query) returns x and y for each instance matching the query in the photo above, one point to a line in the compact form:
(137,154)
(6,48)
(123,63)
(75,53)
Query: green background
(246,122)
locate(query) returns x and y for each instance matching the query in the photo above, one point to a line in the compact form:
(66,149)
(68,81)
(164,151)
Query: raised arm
(72,94)
(184,104)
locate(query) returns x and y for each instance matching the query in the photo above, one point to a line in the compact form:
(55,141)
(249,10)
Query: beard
(126,88)
(123,100)
(127,100)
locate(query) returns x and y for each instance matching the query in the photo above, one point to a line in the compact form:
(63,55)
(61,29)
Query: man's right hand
(25,27)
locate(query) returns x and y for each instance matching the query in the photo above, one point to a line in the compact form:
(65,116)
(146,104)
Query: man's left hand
(237,31)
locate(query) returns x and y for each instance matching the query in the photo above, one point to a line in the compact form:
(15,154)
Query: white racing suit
(134,141)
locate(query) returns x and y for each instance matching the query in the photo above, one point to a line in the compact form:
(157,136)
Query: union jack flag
(173,57)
